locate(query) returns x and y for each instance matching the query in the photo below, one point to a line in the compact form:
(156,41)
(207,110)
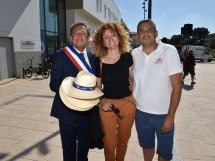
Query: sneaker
(192,83)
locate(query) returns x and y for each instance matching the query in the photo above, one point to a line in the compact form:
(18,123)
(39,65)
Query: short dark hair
(78,24)
(146,21)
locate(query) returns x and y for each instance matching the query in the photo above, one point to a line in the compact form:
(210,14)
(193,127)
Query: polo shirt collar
(157,50)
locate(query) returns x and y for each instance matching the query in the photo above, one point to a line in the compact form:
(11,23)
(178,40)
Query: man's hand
(168,124)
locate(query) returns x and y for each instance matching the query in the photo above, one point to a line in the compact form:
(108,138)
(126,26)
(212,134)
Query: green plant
(213,52)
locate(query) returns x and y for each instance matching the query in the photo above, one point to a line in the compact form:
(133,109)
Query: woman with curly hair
(117,108)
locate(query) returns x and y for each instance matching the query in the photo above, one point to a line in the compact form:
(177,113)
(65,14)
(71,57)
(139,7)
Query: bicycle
(41,70)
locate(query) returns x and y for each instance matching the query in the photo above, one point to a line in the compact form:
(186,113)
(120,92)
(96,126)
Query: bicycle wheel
(45,73)
(28,73)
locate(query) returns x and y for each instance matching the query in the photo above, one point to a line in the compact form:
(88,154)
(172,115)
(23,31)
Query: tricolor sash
(77,59)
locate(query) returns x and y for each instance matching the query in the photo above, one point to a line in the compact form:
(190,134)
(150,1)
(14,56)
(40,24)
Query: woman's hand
(106,107)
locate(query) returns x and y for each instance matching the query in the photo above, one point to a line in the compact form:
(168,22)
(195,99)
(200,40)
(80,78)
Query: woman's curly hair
(124,39)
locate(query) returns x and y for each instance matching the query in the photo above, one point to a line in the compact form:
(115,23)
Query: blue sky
(170,15)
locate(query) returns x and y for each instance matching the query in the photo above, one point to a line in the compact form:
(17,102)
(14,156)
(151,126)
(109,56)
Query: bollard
(23,73)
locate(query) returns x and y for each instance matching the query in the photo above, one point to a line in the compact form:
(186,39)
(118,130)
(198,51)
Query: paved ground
(27,132)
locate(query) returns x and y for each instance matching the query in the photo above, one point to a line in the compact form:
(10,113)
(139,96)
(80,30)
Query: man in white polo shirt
(157,91)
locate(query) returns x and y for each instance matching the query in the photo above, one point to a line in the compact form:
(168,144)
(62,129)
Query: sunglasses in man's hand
(116,111)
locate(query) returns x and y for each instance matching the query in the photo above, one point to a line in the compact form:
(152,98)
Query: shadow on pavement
(187,87)
(2,156)
(42,147)
(23,96)
(37,78)
(5,81)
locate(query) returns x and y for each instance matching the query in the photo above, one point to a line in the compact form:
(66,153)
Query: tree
(164,40)
(211,36)
(212,43)
(177,40)
(200,34)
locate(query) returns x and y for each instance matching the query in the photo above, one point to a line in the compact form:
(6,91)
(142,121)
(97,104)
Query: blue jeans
(149,125)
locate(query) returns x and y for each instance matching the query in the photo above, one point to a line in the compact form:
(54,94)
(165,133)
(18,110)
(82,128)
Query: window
(42,16)
(53,25)
(105,8)
(99,5)
(109,14)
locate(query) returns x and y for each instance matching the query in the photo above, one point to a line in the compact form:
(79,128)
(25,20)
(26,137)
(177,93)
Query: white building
(37,28)
(135,42)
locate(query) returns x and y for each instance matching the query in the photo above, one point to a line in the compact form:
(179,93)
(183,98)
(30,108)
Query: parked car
(199,52)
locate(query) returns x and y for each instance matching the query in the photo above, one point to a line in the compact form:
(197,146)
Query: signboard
(27,44)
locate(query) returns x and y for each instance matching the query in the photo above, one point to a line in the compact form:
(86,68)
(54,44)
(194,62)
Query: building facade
(38,28)
(134,43)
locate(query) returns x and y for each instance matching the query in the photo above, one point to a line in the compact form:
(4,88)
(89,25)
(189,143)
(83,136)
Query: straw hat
(80,93)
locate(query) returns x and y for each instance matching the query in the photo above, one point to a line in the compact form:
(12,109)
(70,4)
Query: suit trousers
(117,131)
(74,138)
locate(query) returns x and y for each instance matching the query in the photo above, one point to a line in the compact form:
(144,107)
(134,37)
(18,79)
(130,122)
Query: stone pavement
(27,132)
(195,120)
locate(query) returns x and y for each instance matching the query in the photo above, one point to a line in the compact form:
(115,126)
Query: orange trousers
(117,131)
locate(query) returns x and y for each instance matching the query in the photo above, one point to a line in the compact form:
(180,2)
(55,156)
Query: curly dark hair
(124,39)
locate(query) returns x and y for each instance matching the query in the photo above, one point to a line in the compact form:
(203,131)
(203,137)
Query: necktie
(83,58)
(86,63)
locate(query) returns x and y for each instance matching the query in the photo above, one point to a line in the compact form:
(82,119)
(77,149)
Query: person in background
(157,91)
(189,66)
(74,125)
(117,108)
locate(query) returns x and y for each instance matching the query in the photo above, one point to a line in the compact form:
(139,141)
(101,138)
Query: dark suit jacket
(61,68)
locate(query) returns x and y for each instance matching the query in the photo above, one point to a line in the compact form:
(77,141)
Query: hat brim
(77,93)
(77,104)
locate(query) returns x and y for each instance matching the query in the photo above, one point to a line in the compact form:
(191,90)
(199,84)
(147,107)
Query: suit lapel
(91,60)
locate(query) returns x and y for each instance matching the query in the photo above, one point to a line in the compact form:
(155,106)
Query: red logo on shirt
(158,61)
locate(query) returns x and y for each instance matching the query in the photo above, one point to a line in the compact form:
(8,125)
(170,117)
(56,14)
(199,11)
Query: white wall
(99,12)
(79,15)
(3,64)
(93,16)
(27,28)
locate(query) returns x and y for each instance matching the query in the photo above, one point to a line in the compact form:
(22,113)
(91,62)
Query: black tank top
(115,77)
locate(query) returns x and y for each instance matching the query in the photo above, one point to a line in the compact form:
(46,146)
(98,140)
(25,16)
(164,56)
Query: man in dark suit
(73,124)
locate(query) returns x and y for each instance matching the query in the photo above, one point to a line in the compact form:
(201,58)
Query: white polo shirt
(152,87)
